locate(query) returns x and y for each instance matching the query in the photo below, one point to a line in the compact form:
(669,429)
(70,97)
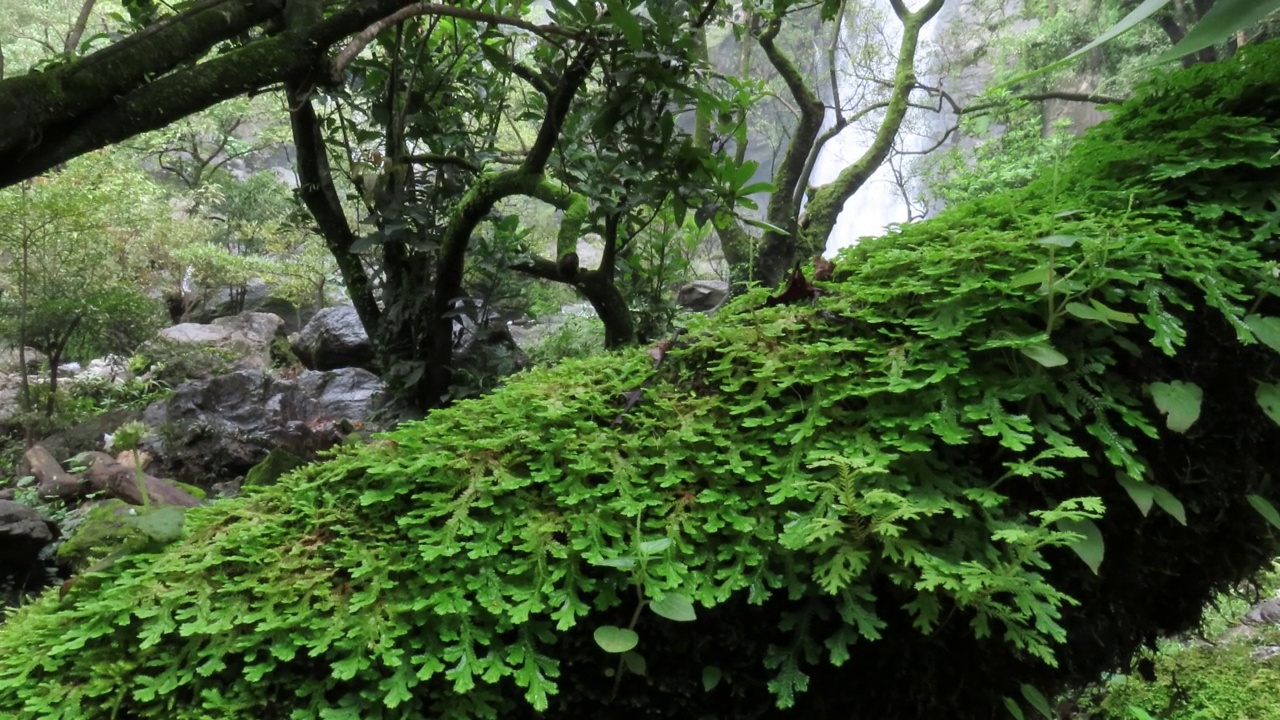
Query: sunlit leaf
(1265,509)
(614,639)
(674,606)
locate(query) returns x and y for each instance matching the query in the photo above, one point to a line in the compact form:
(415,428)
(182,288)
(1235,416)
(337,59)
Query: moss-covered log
(869,499)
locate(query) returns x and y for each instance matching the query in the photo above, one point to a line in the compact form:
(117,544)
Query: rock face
(216,429)
(246,338)
(703,295)
(24,534)
(333,339)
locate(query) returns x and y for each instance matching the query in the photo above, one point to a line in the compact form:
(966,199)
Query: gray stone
(247,337)
(703,295)
(1266,612)
(334,338)
(258,297)
(24,535)
(216,429)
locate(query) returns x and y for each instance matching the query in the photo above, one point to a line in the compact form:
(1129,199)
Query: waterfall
(879,202)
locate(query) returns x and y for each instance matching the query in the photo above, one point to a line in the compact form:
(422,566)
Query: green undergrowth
(949,475)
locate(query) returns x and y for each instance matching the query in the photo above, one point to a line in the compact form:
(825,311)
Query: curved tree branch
(366,36)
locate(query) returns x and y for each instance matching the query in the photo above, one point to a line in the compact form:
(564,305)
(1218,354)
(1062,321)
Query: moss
(1220,682)
(272,467)
(104,530)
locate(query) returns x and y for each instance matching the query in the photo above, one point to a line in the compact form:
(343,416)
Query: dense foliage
(866,500)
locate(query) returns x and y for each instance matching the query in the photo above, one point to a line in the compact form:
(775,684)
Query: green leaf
(1012,706)
(622,563)
(162,524)
(1223,20)
(1139,714)
(674,607)
(1038,276)
(1267,330)
(1111,314)
(653,547)
(1180,401)
(1127,23)
(1268,397)
(1142,493)
(1170,504)
(620,15)
(1037,699)
(1265,509)
(1045,354)
(614,639)
(635,663)
(1064,241)
(1084,312)
(1090,547)
(711,676)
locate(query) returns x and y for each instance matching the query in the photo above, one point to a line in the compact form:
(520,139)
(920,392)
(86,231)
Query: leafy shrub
(876,504)
(577,337)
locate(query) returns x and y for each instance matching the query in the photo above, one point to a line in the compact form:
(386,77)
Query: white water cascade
(879,202)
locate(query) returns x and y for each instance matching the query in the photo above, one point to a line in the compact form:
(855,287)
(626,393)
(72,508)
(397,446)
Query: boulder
(245,340)
(11,360)
(24,535)
(258,297)
(216,429)
(334,338)
(703,295)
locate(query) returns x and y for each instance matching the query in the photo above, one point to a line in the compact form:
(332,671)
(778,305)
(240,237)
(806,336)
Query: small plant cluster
(997,454)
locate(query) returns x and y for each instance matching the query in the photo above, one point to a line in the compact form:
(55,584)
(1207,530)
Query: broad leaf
(674,607)
(162,524)
(1037,700)
(614,639)
(620,15)
(1267,330)
(711,677)
(1129,22)
(653,547)
(1265,509)
(1223,20)
(1142,493)
(1180,401)
(1268,397)
(635,663)
(1090,547)
(1012,706)
(1045,354)
(1169,504)
(1038,276)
